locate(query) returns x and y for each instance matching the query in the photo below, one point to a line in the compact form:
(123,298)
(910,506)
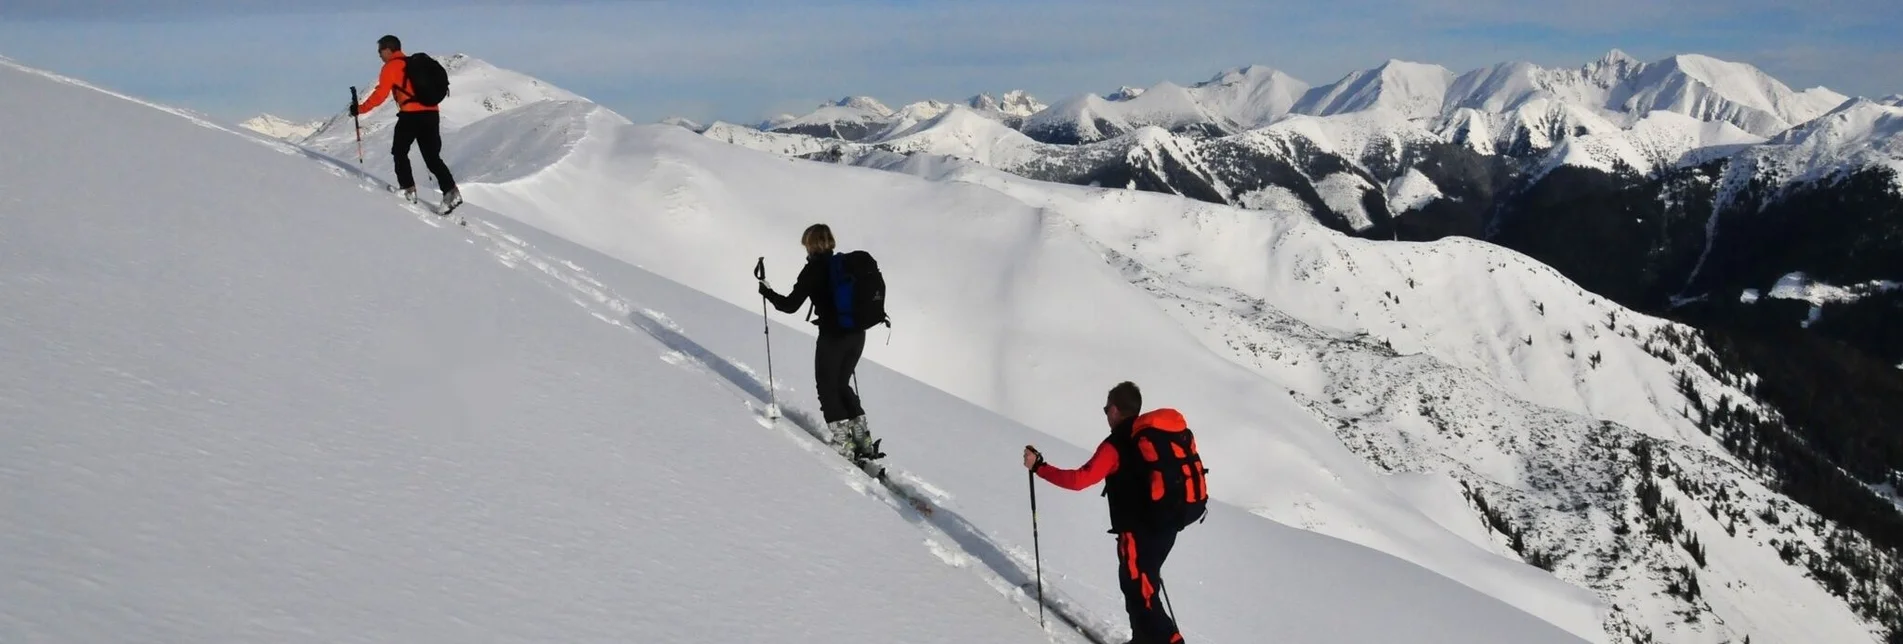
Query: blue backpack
(858,291)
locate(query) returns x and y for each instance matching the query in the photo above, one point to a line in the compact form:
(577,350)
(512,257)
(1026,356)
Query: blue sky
(745,60)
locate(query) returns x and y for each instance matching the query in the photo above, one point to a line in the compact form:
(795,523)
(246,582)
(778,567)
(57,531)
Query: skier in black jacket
(838,350)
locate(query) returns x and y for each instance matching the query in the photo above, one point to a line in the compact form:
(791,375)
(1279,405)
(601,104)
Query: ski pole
(1165,591)
(354,120)
(1036,553)
(766,326)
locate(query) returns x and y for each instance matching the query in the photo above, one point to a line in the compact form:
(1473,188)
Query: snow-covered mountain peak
(1254,74)
(1858,122)
(1614,59)
(866,103)
(1124,93)
(279,128)
(1710,89)
(477,90)
(1015,103)
(922,110)
(1416,90)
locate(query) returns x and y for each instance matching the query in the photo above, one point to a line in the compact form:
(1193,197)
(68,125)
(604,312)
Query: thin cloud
(740,61)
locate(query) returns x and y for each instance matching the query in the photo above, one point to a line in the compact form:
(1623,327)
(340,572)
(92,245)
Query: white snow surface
(1369,136)
(852,109)
(288,409)
(1659,141)
(774,142)
(1860,133)
(1095,118)
(962,132)
(1527,414)
(1217,288)
(1342,192)
(692,210)
(1414,90)
(336,416)
(1015,103)
(1709,89)
(1410,191)
(1798,286)
(1251,96)
(280,128)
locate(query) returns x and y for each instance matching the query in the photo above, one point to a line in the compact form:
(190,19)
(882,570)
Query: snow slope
(851,118)
(1860,133)
(1709,89)
(1250,96)
(700,212)
(339,417)
(1661,140)
(1013,104)
(332,419)
(963,132)
(1415,90)
(1510,387)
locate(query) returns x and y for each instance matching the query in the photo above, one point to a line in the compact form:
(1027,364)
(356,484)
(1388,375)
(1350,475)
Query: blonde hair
(817,239)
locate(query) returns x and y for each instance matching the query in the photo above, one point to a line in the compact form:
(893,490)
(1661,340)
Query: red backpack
(1178,488)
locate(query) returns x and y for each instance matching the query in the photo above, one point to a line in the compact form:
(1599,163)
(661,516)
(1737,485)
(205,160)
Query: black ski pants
(1140,556)
(834,360)
(425,130)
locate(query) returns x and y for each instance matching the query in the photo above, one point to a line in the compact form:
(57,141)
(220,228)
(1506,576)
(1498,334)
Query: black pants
(1140,558)
(425,129)
(833,362)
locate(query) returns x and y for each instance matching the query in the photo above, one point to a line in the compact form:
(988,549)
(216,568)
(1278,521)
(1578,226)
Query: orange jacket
(391,82)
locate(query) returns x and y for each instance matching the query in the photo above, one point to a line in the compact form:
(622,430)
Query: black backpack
(429,82)
(858,291)
(1173,488)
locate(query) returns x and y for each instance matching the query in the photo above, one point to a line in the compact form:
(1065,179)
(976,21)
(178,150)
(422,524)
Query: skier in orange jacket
(415,122)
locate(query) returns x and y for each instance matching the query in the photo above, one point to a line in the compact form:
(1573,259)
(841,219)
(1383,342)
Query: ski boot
(451,200)
(864,449)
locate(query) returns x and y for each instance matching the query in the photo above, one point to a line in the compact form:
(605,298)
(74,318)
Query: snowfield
(1457,370)
(289,408)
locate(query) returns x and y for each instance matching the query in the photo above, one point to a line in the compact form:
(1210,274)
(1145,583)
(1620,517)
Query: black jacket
(815,282)
(1125,489)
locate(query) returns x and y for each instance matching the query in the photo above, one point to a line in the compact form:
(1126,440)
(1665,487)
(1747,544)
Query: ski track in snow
(948,536)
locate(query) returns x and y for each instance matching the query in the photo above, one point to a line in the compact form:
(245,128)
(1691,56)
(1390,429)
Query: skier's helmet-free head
(388,45)
(817,239)
(1123,401)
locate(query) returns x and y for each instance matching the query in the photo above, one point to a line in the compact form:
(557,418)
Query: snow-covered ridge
(1859,133)
(1414,90)
(1600,114)
(278,128)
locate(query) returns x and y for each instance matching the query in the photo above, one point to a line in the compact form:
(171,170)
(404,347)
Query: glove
(766,290)
(1032,458)
(353,109)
